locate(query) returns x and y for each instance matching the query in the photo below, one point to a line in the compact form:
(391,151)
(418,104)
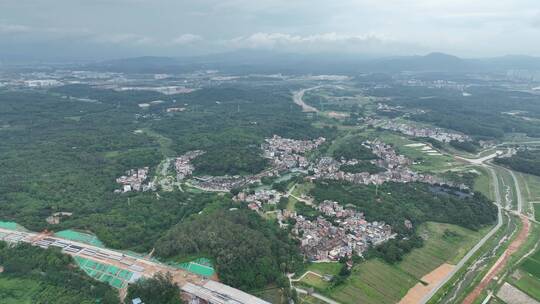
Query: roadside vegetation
(23,279)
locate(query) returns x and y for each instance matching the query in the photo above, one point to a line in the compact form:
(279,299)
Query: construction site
(196,279)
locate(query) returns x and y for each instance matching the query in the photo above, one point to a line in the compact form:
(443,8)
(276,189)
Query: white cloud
(13,28)
(126,38)
(324,42)
(187,39)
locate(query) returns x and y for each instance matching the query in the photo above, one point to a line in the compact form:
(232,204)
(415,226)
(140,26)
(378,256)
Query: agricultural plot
(528,284)
(325,268)
(316,273)
(427,160)
(525,272)
(483,184)
(307,299)
(375,281)
(315,281)
(442,243)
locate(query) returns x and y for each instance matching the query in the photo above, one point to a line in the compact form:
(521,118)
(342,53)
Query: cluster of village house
(183,165)
(347,234)
(396,168)
(288,153)
(133,180)
(407,129)
(284,153)
(256,199)
(321,239)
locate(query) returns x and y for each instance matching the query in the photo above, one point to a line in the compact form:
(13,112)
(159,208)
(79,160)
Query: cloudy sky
(121,28)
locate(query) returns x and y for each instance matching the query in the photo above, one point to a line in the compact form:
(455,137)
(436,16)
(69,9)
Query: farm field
(443,243)
(407,147)
(375,281)
(325,268)
(529,280)
(531,184)
(315,281)
(483,184)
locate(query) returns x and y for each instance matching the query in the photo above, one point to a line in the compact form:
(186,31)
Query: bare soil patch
(417,293)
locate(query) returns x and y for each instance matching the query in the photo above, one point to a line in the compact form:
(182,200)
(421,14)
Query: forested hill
(527,161)
(48,276)
(418,202)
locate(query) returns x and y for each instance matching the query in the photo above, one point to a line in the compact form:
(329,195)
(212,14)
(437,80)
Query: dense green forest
(527,161)
(353,149)
(159,289)
(50,277)
(61,152)
(64,154)
(467,146)
(363,166)
(249,252)
(393,202)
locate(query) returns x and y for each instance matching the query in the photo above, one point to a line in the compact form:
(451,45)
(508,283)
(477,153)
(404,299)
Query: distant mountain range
(271,62)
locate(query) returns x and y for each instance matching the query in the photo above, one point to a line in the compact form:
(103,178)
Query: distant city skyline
(102,29)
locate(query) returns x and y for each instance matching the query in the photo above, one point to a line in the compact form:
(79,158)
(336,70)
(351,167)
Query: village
(338,233)
(288,153)
(396,168)
(439,134)
(133,180)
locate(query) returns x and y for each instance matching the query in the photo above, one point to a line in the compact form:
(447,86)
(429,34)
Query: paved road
(464,260)
(481,160)
(512,248)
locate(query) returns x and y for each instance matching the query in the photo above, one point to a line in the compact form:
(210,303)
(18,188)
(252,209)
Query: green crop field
(443,243)
(482,183)
(425,162)
(325,268)
(375,281)
(537,211)
(532,265)
(314,281)
(528,284)
(527,275)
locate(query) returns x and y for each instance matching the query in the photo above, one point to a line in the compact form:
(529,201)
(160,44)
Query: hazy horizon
(105,29)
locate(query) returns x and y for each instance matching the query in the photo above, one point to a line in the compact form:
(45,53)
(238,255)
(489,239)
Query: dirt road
(501,262)
(298,98)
